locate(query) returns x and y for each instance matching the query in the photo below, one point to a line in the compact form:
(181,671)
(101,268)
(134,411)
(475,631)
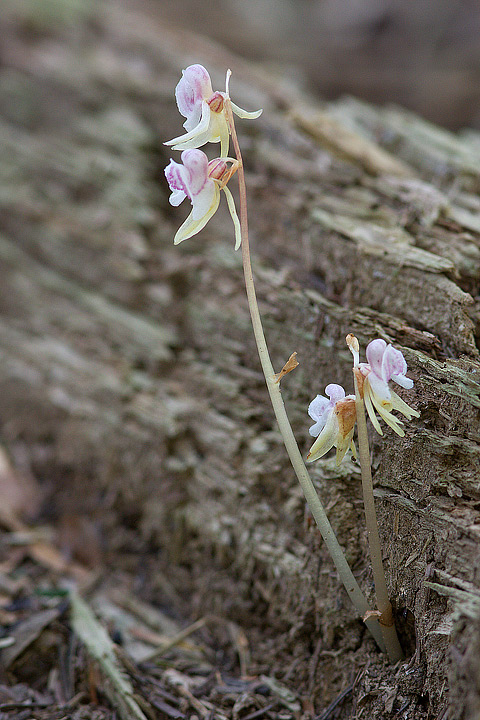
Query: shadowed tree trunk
(129,381)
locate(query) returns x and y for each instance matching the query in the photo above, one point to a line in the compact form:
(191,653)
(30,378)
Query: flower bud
(216,102)
(216,168)
(346,415)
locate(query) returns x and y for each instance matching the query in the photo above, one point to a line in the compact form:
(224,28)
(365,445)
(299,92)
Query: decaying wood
(129,382)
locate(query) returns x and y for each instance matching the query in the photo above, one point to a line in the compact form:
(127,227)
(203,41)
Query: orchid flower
(334,423)
(385,363)
(205,111)
(200,181)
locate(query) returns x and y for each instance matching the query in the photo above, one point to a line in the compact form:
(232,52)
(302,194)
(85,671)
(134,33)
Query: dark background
(421,54)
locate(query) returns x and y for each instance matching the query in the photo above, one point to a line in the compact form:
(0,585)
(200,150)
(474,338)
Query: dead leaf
(20,493)
(290,365)
(26,632)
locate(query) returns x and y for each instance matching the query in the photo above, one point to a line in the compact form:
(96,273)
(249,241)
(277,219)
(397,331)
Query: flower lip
(174,173)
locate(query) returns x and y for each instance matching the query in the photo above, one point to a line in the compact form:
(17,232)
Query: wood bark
(129,382)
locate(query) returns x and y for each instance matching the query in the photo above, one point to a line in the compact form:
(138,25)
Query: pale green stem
(351,586)
(392,644)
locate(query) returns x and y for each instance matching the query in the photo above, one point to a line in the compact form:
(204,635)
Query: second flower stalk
(335,420)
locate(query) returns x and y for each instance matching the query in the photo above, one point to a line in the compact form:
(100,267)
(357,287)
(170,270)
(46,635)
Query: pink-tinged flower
(385,363)
(334,423)
(200,181)
(204,110)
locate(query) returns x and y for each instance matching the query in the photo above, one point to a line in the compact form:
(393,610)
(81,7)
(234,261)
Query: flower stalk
(351,586)
(389,633)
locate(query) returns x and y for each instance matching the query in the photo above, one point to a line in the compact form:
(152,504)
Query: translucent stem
(351,586)
(392,644)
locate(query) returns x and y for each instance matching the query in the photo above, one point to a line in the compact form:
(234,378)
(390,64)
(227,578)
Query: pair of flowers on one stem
(197,178)
(335,417)
(201,181)
(209,119)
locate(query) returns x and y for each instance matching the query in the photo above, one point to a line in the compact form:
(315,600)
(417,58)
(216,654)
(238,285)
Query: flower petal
(196,164)
(374,352)
(234,216)
(194,87)
(403,381)
(219,132)
(343,445)
(393,363)
(369,406)
(203,201)
(372,403)
(379,389)
(177,197)
(180,142)
(401,406)
(335,392)
(191,227)
(224,141)
(200,187)
(244,114)
(391,420)
(177,181)
(196,142)
(317,408)
(326,440)
(317,428)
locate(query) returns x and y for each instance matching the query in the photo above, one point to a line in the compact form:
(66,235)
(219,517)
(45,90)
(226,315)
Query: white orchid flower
(334,423)
(205,111)
(200,181)
(385,363)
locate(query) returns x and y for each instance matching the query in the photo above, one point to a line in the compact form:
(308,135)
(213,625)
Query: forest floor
(175,665)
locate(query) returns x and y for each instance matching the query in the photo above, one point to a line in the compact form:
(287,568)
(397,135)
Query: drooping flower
(334,423)
(204,110)
(200,181)
(385,363)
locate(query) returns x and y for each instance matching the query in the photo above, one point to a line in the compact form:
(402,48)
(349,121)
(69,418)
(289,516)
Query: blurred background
(421,54)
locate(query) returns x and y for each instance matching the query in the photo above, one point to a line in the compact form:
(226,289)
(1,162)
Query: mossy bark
(129,381)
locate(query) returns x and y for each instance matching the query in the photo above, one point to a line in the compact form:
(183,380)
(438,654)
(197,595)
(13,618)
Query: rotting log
(129,382)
